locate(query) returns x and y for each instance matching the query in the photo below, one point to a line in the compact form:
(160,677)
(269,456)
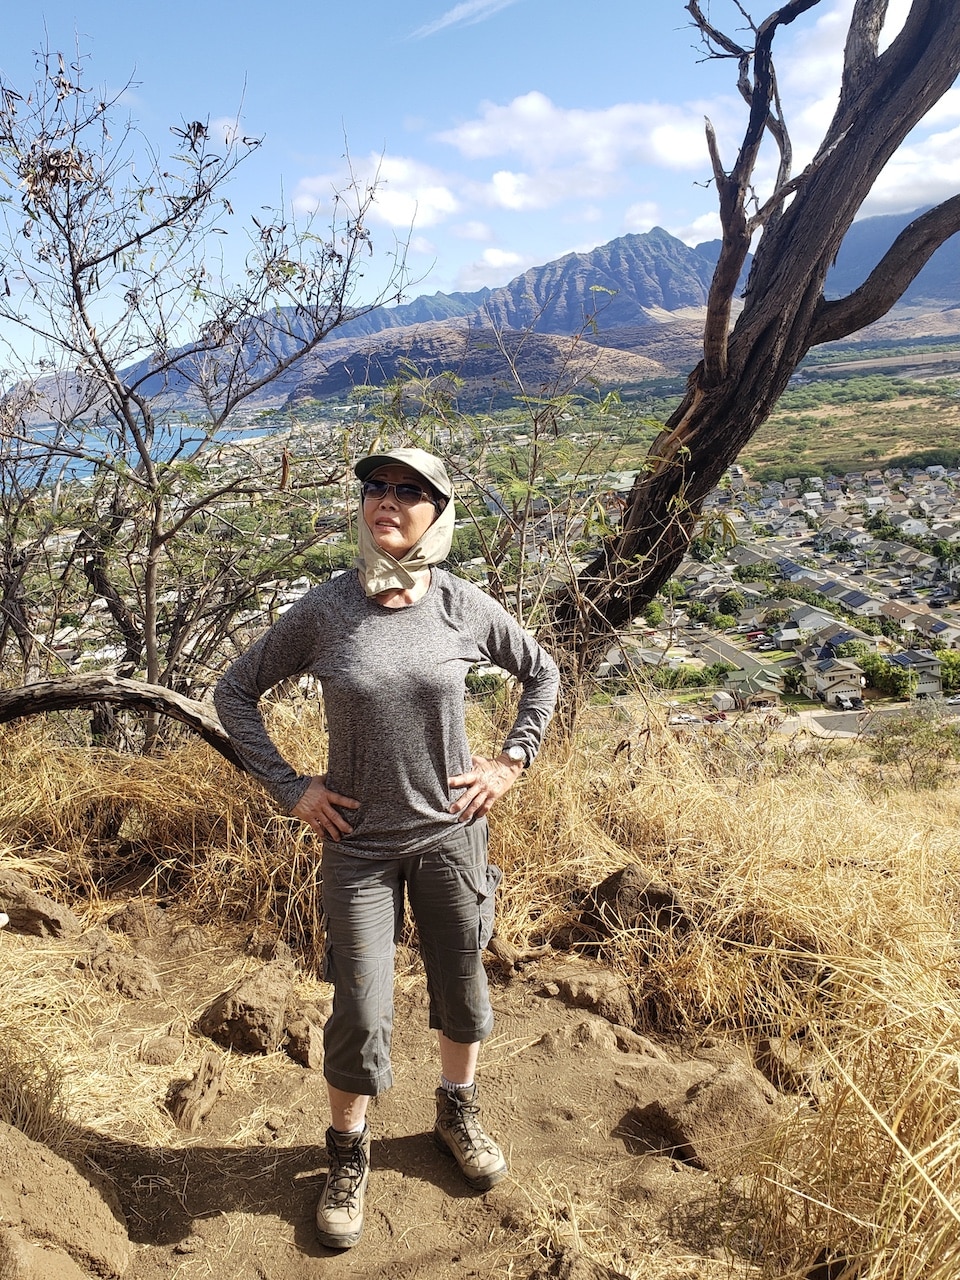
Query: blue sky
(506,133)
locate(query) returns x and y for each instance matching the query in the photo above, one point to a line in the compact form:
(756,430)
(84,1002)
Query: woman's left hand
(486,782)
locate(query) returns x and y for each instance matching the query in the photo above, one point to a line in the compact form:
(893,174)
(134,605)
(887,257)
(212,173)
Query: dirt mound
(57,1221)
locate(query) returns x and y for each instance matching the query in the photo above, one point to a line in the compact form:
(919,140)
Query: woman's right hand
(318,808)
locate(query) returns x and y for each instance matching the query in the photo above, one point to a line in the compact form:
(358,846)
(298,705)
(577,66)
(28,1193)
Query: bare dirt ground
(590,1193)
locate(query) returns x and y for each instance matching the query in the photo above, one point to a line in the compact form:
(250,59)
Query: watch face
(518,754)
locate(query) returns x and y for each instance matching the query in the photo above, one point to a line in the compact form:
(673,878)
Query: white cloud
(706,227)
(946,111)
(408,192)
(515,191)
(543,134)
(465,14)
(921,173)
(645,215)
(494,268)
(641,217)
(499,258)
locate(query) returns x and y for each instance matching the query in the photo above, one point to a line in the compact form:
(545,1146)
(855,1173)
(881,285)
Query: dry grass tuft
(31,1091)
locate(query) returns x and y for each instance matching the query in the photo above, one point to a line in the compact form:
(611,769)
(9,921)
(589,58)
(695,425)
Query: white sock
(451,1087)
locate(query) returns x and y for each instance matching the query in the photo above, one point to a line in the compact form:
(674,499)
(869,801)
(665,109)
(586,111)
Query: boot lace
(464,1123)
(347,1167)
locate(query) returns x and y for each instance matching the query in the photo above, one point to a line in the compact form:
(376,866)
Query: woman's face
(394,526)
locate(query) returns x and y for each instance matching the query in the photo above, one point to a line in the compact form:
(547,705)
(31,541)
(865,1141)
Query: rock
(268,947)
(30,912)
(191,1101)
(593,1036)
(715,1119)
(190,1244)
(130,976)
(304,1041)
(630,899)
(251,1016)
(593,987)
(140,919)
(630,1042)
(191,940)
(53,1217)
(20,1260)
(790,1067)
(162,1051)
(646,1080)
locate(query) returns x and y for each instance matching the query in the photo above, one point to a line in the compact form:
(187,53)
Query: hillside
(725,999)
(484,360)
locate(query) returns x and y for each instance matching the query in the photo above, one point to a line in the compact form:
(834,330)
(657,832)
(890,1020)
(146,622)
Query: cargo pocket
(488,904)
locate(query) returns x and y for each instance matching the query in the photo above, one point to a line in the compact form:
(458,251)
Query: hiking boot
(340,1211)
(459,1133)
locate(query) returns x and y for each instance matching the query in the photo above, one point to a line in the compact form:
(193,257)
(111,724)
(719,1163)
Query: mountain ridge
(637,303)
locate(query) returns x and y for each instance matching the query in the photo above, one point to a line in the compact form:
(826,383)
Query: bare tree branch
(886,283)
(744,370)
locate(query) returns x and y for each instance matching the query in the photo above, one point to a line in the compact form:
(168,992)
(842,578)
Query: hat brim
(426,466)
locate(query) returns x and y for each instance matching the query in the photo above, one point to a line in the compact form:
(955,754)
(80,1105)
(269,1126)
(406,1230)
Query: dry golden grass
(822,908)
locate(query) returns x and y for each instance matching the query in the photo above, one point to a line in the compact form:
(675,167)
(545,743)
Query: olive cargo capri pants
(451,891)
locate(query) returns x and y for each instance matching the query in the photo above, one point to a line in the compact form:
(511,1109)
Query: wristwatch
(517,755)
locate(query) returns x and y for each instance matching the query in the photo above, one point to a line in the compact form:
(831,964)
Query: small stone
(163,1051)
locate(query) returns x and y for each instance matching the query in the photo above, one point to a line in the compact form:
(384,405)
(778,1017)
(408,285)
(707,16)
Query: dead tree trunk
(743,372)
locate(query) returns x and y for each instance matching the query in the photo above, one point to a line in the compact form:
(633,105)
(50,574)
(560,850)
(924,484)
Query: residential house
(863,605)
(757,689)
(948,633)
(786,636)
(741,556)
(927,667)
(790,571)
(832,680)
(808,618)
(909,525)
(901,614)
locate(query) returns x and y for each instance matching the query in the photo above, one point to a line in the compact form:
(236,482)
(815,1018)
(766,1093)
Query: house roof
(909,658)
(838,664)
(757,682)
(855,599)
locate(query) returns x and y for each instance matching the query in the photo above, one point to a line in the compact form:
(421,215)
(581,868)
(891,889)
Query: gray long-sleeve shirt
(393,691)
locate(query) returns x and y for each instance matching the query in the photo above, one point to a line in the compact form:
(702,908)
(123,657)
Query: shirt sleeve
(288,649)
(509,646)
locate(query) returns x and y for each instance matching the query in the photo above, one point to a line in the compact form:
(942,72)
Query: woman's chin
(395,547)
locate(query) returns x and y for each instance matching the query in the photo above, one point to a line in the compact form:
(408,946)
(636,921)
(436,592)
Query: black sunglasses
(408,495)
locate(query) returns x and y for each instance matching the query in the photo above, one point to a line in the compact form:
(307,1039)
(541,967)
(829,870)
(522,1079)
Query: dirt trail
(236,1201)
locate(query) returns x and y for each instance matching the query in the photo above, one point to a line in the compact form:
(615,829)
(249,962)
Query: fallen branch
(97,686)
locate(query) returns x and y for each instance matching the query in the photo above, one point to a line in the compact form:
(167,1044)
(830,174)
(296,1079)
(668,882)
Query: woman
(402,806)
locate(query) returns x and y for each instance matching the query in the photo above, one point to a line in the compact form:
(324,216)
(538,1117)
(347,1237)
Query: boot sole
(339,1242)
(482,1183)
